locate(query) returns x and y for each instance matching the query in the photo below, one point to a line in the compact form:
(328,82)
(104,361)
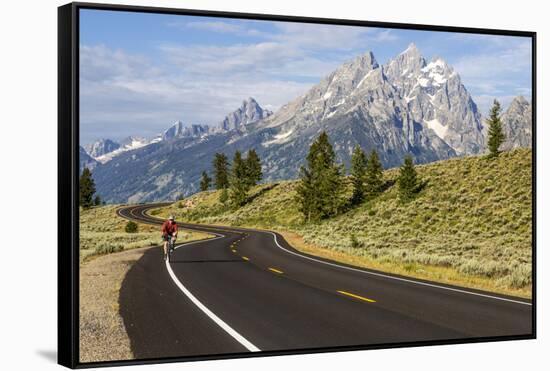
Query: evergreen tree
(496,135)
(221,172)
(320,191)
(205,181)
(253,168)
(87,188)
(374,179)
(358,171)
(407,180)
(238,183)
(97,200)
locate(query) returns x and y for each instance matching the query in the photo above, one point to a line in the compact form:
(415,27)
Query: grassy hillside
(471,224)
(102,232)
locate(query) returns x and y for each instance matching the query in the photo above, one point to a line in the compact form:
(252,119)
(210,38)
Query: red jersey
(169,228)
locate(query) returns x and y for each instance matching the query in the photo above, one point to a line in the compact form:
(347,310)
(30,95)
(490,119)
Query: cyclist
(169,230)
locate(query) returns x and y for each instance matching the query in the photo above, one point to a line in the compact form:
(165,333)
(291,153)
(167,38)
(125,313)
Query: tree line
(234,179)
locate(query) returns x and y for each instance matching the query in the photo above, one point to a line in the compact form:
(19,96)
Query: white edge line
(234,334)
(397,278)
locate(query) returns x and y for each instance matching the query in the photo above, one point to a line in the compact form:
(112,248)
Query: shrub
(107,248)
(354,242)
(131,227)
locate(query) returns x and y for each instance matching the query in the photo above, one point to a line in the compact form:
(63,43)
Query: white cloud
(117,100)
(505,61)
(497,71)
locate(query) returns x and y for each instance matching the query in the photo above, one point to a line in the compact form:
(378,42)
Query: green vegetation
(238,183)
(496,135)
(245,173)
(358,175)
(320,190)
(374,176)
(205,182)
(87,189)
(221,172)
(407,181)
(469,224)
(102,231)
(253,168)
(131,227)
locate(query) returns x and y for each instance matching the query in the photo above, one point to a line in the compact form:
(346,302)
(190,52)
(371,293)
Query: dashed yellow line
(357,296)
(275,270)
(233,250)
(245,258)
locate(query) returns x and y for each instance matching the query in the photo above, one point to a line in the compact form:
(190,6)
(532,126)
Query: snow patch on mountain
(279,138)
(128,144)
(437,127)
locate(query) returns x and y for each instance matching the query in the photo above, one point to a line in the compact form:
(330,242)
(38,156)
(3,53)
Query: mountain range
(408,106)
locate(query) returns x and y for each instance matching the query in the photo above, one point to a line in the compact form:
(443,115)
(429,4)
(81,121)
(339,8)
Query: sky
(141,72)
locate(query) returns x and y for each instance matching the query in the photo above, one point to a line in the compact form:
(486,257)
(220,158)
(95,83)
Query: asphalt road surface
(246,290)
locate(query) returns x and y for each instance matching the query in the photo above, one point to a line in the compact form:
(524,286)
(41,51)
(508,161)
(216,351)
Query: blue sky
(140,72)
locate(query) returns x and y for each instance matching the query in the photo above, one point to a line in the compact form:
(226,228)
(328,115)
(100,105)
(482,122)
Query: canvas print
(269,186)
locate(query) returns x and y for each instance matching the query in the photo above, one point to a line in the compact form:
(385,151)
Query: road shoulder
(103,336)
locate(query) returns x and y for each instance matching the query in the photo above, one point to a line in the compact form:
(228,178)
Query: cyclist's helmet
(171,217)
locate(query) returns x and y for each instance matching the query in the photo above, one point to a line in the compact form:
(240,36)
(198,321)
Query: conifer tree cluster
(236,180)
(366,176)
(320,190)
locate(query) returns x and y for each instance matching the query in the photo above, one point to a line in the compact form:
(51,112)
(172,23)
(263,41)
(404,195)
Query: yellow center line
(233,250)
(275,270)
(356,296)
(245,258)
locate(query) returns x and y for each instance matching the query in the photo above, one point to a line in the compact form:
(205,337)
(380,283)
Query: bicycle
(168,254)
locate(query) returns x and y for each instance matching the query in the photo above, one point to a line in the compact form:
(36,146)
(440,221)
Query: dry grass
(103,336)
(470,225)
(427,272)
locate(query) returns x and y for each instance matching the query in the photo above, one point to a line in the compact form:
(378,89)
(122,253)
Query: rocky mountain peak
(517,124)
(408,62)
(174,131)
(249,112)
(519,103)
(101,147)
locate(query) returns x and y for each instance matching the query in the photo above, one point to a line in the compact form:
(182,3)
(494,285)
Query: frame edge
(67,273)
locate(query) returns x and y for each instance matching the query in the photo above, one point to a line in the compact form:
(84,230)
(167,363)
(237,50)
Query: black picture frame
(68,171)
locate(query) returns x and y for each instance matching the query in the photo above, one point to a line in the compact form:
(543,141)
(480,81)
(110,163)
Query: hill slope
(473,220)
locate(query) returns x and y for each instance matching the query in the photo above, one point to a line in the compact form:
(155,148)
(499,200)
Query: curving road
(247,290)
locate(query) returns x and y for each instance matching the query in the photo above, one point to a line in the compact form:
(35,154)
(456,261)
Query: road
(248,290)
